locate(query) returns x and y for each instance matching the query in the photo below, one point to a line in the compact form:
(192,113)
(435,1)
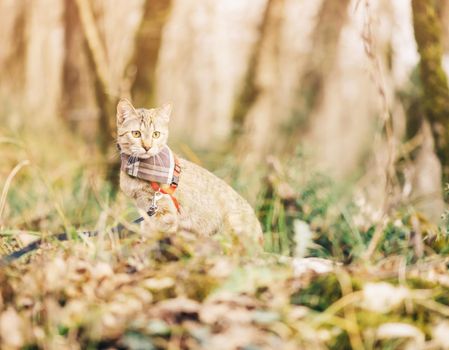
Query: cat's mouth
(151,153)
(147,154)
(140,153)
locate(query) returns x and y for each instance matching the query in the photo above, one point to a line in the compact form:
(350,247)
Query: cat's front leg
(148,226)
(164,221)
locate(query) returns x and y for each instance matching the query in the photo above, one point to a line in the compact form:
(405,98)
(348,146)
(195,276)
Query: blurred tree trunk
(99,69)
(12,54)
(79,105)
(332,17)
(339,104)
(44,58)
(106,61)
(203,60)
(142,68)
(282,56)
(32,39)
(435,98)
(295,57)
(444,17)
(105,50)
(427,196)
(250,90)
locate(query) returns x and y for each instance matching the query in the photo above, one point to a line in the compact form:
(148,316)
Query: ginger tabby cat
(207,205)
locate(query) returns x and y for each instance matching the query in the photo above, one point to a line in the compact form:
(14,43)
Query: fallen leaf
(383,297)
(11,329)
(440,334)
(402,330)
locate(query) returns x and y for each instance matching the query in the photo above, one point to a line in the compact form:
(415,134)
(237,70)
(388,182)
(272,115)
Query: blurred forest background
(357,88)
(330,116)
(338,80)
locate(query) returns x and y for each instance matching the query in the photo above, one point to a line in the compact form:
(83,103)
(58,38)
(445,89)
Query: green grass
(135,293)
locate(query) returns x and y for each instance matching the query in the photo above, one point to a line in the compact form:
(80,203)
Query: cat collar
(161,170)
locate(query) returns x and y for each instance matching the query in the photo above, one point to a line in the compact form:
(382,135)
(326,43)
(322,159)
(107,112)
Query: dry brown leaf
(383,297)
(172,310)
(158,283)
(440,334)
(402,330)
(11,329)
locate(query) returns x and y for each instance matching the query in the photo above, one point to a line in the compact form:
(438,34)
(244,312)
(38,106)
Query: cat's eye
(156,134)
(135,133)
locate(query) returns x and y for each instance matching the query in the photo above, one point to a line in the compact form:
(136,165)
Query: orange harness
(170,189)
(167,189)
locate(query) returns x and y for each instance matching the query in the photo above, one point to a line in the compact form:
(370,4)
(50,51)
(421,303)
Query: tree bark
(203,60)
(288,68)
(281,62)
(142,67)
(326,38)
(12,54)
(44,58)
(435,91)
(79,106)
(108,53)
(99,70)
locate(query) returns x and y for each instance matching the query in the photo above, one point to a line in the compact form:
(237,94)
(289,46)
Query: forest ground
(313,288)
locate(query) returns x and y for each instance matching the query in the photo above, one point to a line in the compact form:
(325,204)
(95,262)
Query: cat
(201,203)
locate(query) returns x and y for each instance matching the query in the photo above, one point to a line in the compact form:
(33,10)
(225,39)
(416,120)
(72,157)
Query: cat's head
(142,132)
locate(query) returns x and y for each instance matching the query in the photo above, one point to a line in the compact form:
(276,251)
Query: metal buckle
(154,207)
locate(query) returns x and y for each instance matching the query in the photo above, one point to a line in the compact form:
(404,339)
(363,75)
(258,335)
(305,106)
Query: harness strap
(63,236)
(169,189)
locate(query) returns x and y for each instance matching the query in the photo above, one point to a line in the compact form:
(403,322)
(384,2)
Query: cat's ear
(165,111)
(124,110)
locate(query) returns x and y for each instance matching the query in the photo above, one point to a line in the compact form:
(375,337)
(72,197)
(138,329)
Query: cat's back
(205,196)
(196,181)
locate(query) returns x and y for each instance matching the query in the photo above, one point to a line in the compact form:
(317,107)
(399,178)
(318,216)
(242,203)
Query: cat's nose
(146,148)
(146,145)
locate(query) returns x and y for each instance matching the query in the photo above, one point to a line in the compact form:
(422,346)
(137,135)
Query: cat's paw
(163,222)
(168,223)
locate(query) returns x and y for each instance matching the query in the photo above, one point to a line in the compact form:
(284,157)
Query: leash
(135,167)
(64,236)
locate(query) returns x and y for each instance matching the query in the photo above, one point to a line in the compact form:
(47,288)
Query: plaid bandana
(162,168)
